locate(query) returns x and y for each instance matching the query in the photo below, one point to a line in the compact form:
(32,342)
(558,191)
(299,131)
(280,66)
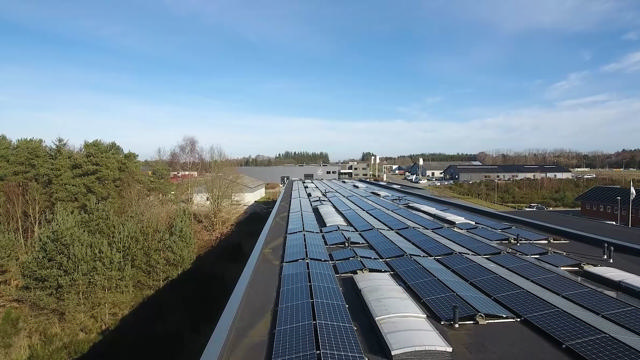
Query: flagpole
(632,194)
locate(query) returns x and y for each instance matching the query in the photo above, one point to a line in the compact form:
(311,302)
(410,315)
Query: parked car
(535,207)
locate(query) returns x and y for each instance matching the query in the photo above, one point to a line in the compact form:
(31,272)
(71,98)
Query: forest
(85,235)
(285,158)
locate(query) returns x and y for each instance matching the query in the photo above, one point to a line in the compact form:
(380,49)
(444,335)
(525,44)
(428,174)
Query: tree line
(285,158)
(625,158)
(87,232)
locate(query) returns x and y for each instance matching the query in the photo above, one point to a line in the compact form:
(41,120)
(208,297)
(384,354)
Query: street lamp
(618,198)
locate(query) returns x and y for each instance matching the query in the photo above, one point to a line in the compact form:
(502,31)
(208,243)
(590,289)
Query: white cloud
(588,100)
(629,63)
(631,36)
(572,81)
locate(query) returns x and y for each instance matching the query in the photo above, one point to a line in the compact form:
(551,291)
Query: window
(608,209)
(586,206)
(601,207)
(355,168)
(333,172)
(329,172)
(615,210)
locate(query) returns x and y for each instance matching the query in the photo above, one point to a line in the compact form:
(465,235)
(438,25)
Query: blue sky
(261,77)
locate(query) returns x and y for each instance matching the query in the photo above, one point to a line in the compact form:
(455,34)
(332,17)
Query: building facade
(504,172)
(356,170)
(282,174)
(601,202)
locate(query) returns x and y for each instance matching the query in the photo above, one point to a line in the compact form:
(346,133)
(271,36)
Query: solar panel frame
(466,225)
(294,279)
(402,263)
(327,293)
(330,228)
(430,288)
(323,278)
(294,224)
(455,260)
(294,251)
(354,237)
(387,219)
(473,272)
(418,219)
(383,246)
(442,307)
(426,243)
(361,203)
(294,267)
(531,271)
(334,238)
(319,266)
(402,243)
(332,312)
(356,221)
(507,260)
(309,222)
(526,234)
(467,242)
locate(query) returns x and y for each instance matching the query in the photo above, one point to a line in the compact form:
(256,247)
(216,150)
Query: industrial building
(362,270)
(604,202)
(504,172)
(356,170)
(282,174)
(435,169)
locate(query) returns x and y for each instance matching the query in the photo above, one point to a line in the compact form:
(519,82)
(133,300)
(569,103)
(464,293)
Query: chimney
(455,315)
(611,253)
(604,251)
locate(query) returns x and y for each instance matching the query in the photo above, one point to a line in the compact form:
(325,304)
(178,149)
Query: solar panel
(489,234)
(496,285)
(384,203)
(339,204)
(354,237)
(346,228)
(402,263)
(629,318)
(334,238)
(318,266)
(442,307)
(309,221)
(317,252)
(468,242)
(348,266)
(295,223)
(466,225)
(294,267)
(295,203)
(531,271)
(524,303)
(361,203)
(560,284)
(305,205)
(604,348)
(382,245)
(294,279)
(473,272)
(294,294)
(294,314)
(529,249)
(597,301)
(564,327)
(375,264)
(327,293)
(403,244)
(426,243)
(467,292)
(456,260)
(559,260)
(294,251)
(479,219)
(323,278)
(295,342)
(366,253)
(356,220)
(508,260)
(332,312)
(337,340)
(387,219)
(526,234)
(418,219)
(429,288)
(343,254)
(328,229)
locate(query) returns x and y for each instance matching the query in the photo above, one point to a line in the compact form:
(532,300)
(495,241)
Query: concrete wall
(248,198)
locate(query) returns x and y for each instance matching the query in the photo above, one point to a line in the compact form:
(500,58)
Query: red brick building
(601,202)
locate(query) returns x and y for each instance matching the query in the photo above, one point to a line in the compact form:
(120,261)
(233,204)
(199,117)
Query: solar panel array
(316,322)
(467,242)
(559,260)
(576,334)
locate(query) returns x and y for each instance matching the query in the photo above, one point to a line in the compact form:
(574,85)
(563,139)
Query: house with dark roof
(434,169)
(601,202)
(505,172)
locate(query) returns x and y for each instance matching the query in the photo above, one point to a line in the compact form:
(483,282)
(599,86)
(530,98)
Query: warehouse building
(504,172)
(435,169)
(282,174)
(601,202)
